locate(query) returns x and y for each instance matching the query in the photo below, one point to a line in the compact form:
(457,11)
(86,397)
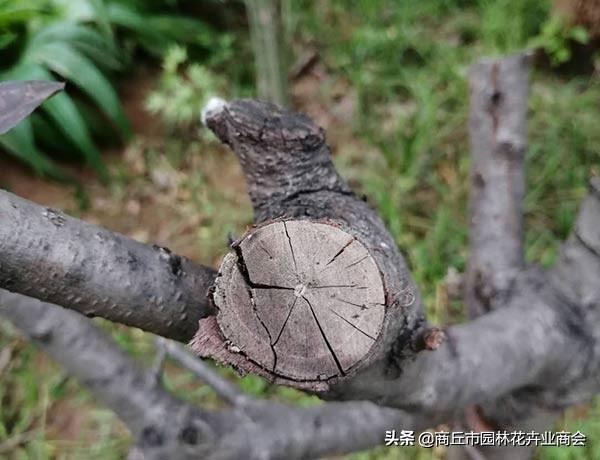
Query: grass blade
(71,64)
(19,142)
(90,42)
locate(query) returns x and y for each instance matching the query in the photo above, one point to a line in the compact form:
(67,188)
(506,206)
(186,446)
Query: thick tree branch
(289,175)
(479,361)
(509,349)
(498,133)
(537,354)
(498,139)
(165,427)
(53,257)
(86,353)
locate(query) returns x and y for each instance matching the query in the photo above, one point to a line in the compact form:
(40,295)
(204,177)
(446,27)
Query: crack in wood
(291,247)
(339,253)
(357,262)
(361,306)
(354,286)
(244,271)
(264,326)
(351,324)
(333,355)
(286,321)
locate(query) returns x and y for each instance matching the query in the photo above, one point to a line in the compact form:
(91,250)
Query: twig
(224,388)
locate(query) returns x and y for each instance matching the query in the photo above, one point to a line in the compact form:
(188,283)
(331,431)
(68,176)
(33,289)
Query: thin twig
(223,387)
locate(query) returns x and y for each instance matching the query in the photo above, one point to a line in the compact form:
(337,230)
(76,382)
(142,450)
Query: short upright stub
(303,300)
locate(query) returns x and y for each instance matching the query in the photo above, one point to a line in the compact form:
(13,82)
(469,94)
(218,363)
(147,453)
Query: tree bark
(534,351)
(498,133)
(56,258)
(165,427)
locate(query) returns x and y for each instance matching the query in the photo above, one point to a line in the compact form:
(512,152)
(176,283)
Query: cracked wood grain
(281,299)
(290,175)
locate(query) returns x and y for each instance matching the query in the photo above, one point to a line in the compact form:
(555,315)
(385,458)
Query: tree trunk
(270,51)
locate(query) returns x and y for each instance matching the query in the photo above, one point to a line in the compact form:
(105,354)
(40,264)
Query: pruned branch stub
(303,300)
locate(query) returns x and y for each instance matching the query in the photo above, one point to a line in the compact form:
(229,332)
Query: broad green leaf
(102,17)
(182,29)
(71,64)
(66,117)
(84,38)
(19,142)
(128,18)
(6,39)
(156,32)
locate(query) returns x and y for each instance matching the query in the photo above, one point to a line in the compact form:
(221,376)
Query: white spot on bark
(212,107)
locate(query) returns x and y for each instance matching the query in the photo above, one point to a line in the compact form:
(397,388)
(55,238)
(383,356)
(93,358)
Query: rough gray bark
(534,356)
(498,133)
(165,427)
(53,257)
(18,99)
(289,175)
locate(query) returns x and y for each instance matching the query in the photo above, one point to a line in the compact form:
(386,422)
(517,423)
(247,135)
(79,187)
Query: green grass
(407,63)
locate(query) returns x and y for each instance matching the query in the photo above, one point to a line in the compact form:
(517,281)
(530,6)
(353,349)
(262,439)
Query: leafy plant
(84,43)
(184,88)
(555,39)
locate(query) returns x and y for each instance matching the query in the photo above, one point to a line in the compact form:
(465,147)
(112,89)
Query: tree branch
(86,353)
(165,427)
(497,130)
(55,258)
(498,133)
(221,386)
(290,175)
(506,360)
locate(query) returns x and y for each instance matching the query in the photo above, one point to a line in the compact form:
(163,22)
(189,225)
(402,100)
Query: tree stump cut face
(303,300)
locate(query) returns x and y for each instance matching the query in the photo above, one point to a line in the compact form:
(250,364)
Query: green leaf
(66,117)
(16,15)
(85,39)
(157,32)
(102,17)
(182,29)
(69,63)
(580,35)
(19,142)
(129,18)
(6,39)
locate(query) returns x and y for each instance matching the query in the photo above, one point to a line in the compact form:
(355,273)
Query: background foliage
(87,43)
(388,79)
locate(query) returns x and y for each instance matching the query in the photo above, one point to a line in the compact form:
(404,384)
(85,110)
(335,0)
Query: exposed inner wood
(304,300)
